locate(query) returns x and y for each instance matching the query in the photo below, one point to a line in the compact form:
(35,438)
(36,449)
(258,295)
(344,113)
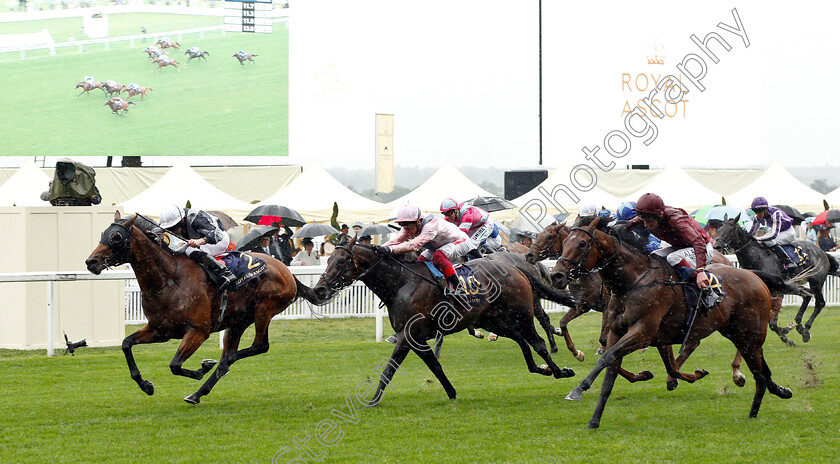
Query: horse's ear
(351,242)
(726,216)
(560,224)
(117,216)
(737,218)
(130,222)
(594,224)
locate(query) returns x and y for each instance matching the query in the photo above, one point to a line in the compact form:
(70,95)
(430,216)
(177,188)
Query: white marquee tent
(678,189)
(24,187)
(778,186)
(313,192)
(552,194)
(182,183)
(446,182)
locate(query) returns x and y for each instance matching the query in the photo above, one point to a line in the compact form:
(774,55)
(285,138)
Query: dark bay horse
(180,301)
(816,268)
(196,54)
(648,309)
(418,310)
(117,105)
(112,88)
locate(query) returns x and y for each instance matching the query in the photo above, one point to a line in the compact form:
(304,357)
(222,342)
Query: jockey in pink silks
(476,223)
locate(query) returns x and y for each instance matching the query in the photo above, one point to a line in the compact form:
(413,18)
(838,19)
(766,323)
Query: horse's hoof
(739,380)
(671,384)
(593,425)
(554,349)
(148,387)
(208,364)
(600,351)
(492,337)
(579,355)
(564,373)
(645,376)
(700,373)
(192,399)
(575,395)
(784,393)
(789,342)
(806,336)
(479,334)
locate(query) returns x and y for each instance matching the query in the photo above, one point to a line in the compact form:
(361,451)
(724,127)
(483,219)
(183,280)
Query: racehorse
(245,57)
(815,270)
(180,301)
(199,54)
(153,52)
(418,310)
(86,87)
(138,91)
(163,61)
(112,88)
(648,308)
(163,44)
(118,104)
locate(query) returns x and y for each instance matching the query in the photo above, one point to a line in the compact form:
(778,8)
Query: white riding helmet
(408,213)
(171,215)
(587,209)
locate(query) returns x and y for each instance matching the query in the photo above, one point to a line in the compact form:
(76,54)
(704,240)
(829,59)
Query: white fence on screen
(358,301)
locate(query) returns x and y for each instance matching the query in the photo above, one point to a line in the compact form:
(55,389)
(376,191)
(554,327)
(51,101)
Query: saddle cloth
(468,291)
(796,253)
(244,266)
(702,300)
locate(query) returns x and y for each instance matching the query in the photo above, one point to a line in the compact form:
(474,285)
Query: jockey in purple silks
(780,227)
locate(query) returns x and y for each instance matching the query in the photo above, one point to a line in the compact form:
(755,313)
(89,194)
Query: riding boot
(787,263)
(212,264)
(474,254)
(453,282)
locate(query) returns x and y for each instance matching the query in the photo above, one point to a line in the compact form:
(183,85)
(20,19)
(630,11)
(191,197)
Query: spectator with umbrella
(308,256)
(780,229)
(824,238)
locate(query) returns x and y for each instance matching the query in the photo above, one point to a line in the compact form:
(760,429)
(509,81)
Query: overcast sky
(462,78)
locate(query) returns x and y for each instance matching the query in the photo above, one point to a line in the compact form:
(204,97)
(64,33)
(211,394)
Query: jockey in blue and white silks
(780,229)
(627,211)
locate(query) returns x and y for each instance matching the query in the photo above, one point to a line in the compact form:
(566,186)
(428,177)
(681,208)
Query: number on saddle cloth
(244,266)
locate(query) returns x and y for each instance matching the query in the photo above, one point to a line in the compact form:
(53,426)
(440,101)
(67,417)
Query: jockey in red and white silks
(475,222)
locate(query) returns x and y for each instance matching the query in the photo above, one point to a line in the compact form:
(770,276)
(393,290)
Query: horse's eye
(341,261)
(116,238)
(582,244)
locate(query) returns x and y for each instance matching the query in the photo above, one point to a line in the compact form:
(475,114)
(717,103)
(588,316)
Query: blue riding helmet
(626,210)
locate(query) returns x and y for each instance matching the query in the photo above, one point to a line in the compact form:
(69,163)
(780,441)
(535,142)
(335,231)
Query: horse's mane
(150,229)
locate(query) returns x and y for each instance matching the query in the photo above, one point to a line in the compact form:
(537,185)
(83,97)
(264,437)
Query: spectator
(357,226)
(824,239)
(264,246)
(344,236)
(525,240)
(365,240)
(283,244)
(307,257)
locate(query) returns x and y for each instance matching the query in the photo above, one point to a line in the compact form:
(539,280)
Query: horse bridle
(341,282)
(123,252)
(750,238)
(576,270)
(544,253)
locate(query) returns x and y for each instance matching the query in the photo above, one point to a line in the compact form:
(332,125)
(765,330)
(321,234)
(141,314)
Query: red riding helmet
(650,203)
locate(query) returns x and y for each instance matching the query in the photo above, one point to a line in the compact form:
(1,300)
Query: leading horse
(180,301)
(418,310)
(817,267)
(648,309)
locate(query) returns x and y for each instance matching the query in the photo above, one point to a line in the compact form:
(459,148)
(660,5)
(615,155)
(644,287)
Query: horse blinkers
(118,239)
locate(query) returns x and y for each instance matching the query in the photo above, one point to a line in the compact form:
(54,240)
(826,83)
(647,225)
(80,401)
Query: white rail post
(50,331)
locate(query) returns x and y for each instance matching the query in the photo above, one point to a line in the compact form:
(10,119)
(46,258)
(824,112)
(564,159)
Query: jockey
(476,223)
(205,238)
(627,211)
(689,245)
(193,50)
(781,231)
(89,80)
(133,86)
(441,241)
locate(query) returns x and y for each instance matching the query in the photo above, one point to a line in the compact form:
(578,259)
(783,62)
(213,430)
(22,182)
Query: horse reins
(576,266)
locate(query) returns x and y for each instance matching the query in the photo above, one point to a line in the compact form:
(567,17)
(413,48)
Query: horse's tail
(307,293)
(131,103)
(833,265)
(779,286)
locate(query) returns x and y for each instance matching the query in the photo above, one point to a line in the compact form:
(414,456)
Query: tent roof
(182,183)
(24,187)
(550,188)
(778,186)
(446,182)
(678,189)
(313,192)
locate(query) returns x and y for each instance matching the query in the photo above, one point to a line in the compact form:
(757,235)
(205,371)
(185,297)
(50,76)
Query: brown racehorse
(648,309)
(418,310)
(139,91)
(245,57)
(118,104)
(153,52)
(163,61)
(112,88)
(88,87)
(180,302)
(163,44)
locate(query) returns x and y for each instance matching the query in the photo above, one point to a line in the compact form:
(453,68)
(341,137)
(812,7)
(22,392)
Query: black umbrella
(227,221)
(315,230)
(792,212)
(271,214)
(376,229)
(491,204)
(253,235)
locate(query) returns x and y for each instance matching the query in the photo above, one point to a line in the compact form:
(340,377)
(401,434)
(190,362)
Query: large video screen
(212,105)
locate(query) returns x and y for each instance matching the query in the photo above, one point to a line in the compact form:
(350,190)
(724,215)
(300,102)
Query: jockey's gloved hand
(381,250)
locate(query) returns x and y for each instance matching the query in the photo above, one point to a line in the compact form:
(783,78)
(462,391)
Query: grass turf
(214,107)
(87,409)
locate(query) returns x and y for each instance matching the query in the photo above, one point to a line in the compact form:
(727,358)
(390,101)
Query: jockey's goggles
(407,225)
(649,216)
